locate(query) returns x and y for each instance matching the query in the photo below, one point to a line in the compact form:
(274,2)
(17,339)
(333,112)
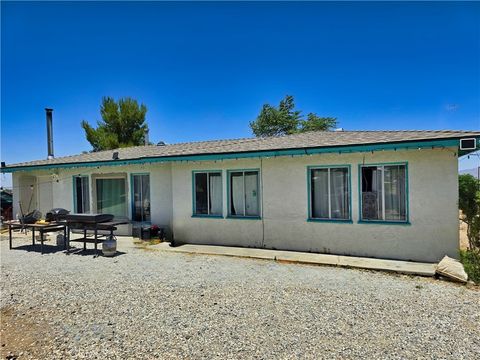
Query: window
(111,196)
(81,194)
(207,193)
(329,193)
(140,197)
(384,192)
(243,194)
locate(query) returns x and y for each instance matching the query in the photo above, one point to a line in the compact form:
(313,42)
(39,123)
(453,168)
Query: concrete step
(404,267)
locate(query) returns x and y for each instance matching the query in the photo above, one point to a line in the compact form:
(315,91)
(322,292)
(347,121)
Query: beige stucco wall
(433,210)
(61,186)
(433,197)
(24,191)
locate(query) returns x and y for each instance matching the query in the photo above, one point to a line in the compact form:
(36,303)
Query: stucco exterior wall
(59,183)
(234,232)
(433,208)
(432,231)
(24,191)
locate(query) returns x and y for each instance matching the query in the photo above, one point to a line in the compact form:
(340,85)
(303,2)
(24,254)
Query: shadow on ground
(51,249)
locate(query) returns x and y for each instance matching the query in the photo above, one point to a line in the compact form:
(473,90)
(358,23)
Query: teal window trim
(207,216)
(244,217)
(132,197)
(194,214)
(384,222)
(74,192)
(309,193)
(345,149)
(407,195)
(234,217)
(341,221)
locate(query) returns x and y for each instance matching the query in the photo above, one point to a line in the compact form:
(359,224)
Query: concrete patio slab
(404,267)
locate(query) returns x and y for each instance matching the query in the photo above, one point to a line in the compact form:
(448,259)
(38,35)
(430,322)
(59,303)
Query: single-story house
(385,194)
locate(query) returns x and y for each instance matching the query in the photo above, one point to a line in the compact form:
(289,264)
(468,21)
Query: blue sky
(205,69)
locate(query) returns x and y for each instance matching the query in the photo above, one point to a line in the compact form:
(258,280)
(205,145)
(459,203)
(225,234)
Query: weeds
(471,262)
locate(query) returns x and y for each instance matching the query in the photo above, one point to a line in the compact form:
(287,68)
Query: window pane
(201,194)
(395,195)
(82,203)
(146,197)
(137,199)
(111,197)
(372,193)
(215,181)
(78,195)
(85,195)
(339,197)
(141,198)
(251,193)
(237,198)
(319,188)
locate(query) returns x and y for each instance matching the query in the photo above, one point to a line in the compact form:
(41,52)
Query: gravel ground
(151,304)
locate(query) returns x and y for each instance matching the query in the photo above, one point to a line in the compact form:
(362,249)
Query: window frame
(194,200)
(74,185)
(259,194)
(310,218)
(407,195)
(132,196)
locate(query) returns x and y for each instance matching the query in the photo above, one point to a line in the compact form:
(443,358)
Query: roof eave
(447,142)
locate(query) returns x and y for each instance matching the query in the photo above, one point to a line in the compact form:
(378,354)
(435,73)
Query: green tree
(122,125)
(285,120)
(469,203)
(317,123)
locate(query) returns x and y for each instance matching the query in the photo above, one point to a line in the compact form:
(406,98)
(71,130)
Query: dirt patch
(21,336)
(139,242)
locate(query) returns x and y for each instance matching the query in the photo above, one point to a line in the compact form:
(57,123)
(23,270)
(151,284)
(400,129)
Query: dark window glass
(141,198)
(82,195)
(384,192)
(201,194)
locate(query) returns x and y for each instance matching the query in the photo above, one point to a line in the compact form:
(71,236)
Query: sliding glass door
(141,197)
(81,195)
(111,196)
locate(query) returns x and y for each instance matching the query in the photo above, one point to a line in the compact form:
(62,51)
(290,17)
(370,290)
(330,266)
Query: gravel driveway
(149,304)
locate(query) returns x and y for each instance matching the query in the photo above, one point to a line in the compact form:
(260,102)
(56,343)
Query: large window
(81,194)
(207,193)
(141,197)
(329,193)
(244,193)
(384,192)
(111,196)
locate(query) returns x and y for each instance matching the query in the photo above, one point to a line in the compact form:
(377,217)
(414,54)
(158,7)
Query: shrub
(471,262)
(469,203)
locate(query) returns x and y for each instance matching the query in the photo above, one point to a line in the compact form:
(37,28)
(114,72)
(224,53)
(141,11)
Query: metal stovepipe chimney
(49,132)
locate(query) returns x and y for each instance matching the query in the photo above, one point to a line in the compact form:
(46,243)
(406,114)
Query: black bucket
(145,233)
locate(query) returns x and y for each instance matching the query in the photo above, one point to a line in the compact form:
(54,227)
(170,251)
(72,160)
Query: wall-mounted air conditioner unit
(468,144)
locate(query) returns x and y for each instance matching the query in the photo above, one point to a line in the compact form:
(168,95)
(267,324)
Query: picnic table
(54,226)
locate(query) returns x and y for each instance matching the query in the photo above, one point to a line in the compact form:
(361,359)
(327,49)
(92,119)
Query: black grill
(56,214)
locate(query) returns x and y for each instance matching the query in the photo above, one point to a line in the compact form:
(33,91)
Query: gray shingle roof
(314,139)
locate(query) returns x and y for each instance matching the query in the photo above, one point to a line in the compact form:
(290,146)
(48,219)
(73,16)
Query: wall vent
(468,144)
